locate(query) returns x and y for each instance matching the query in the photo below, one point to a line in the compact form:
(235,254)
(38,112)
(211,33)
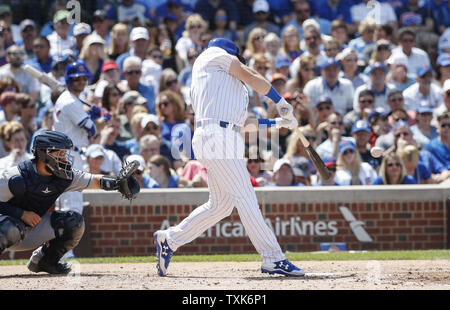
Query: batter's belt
(223,124)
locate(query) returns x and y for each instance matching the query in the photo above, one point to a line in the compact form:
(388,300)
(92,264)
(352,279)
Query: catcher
(29,190)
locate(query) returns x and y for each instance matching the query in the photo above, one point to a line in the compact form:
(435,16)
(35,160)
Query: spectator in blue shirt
(132,70)
(392,171)
(220,26)
(206,9)
(334,9)
(42,61)
(160,171)
(440,146)
(441,15)
(366,37)
(28,32)
(140,39)
(423,131)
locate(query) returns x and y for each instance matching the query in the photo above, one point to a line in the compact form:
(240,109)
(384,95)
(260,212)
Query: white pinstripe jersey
(216,94)
(67,115)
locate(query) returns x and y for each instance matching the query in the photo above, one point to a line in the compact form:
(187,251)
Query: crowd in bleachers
(359,74)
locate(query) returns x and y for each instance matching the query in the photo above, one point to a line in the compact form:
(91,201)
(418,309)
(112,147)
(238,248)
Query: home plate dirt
(347,275)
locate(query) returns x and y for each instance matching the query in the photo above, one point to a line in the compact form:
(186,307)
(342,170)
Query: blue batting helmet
(229,46)
(75,69)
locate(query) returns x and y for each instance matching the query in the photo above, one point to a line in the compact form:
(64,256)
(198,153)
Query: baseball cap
(377,65)
(59,58)
(423,70)
(4,8)
(149,118)
(301,167)
(81,28)
(27,23)
(99,15)
(398,59)
(443,60)
(94,151)
(424,107)
(139,158)
(329,161)
(330,62)
(361,125)
(278,76)
(260,6)
(281,61)
(346,145)
(444,41)
(109,65)
(377,112)
(279,163)
(446,85)
(400,123)
(346,52)
(92,39)
(132,96)
(139,33)
(60,15)
(323,99)
(383,42)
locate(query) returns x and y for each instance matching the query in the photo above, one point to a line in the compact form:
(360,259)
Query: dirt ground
(347,275)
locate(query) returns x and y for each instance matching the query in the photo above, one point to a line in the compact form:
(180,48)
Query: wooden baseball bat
(318,163)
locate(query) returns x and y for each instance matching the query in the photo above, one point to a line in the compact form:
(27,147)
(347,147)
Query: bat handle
(304,141)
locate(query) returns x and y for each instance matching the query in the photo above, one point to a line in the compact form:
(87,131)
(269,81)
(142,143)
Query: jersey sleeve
(75,112)
(5,176)
(81,180)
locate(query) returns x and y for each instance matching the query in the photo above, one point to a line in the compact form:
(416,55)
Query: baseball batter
(220,101)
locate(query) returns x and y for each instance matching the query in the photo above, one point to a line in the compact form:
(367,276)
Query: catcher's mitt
(128,186)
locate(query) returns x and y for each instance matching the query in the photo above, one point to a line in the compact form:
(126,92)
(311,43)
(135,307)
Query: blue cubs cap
(346,145)
(423,70)
(400,123)
(229,46)
(443,60)
(281,61)
(377,65)
(361,125)
(424,107)
(329,161)
(323,99)
(377,112)
(330,62)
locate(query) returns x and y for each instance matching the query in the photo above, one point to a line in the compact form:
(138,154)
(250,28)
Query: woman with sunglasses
(349,62)
(351,170)
(306,73)
(254,166)
(393,171)
(195,25)
(255,43)
(170,108)
(291,42)
(220,26)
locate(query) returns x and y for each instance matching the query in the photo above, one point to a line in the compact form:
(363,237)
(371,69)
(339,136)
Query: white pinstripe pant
(221,151)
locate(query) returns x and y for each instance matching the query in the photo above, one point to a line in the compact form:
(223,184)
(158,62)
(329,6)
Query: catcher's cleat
(163,252)
(62,267)
(283,267)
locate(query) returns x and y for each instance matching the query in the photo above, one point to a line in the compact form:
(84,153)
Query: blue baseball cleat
(283,267)
(163,252)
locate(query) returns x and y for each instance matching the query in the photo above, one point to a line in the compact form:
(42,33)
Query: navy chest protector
(34,192)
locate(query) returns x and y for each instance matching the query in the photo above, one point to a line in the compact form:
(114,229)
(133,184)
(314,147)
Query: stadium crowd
(358,73)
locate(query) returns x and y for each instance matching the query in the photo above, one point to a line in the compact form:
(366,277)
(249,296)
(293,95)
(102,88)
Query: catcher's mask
(54,149)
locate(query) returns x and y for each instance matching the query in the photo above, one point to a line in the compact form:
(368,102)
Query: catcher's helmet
(75,69)
(229,46)
(47,142)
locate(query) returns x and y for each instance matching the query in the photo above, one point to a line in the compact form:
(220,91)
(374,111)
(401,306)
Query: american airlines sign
(294,226)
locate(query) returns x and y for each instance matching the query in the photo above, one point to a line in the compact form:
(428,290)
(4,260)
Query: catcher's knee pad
(11,232)
(68,226)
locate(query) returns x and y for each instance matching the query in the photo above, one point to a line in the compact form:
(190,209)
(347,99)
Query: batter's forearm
(250,77)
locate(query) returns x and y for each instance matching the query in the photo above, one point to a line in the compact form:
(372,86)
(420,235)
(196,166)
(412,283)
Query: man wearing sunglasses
(423,89)
(15,56)
(335,131)
(261,12)
(366,101)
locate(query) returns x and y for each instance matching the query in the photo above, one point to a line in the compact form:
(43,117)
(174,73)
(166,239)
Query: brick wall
(394,217)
